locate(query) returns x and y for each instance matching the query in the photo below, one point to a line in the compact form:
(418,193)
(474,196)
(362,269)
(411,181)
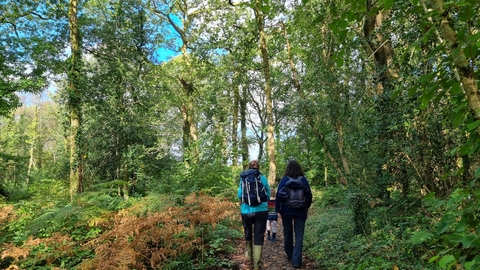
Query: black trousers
(254,225)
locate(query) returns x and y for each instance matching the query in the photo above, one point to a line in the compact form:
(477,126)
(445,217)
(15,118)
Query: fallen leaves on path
(273,256)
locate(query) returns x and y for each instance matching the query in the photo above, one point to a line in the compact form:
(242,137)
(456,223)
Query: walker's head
(254,165)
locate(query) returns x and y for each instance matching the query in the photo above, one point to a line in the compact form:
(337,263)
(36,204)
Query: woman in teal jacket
(254,218)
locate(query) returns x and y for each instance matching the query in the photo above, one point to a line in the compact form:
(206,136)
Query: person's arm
(240,191)
(266,185)
(309,197)
(278,200)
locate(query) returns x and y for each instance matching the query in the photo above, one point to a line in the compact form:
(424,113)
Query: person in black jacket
(293,219)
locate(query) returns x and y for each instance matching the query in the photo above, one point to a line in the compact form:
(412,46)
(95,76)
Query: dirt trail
(273,256)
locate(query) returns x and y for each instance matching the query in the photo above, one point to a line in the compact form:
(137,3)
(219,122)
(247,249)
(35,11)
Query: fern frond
(420,237)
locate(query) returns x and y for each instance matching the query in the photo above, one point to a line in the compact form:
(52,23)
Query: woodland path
(273,256)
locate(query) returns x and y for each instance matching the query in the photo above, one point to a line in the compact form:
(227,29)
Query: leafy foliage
(148,233)
(456,233)
(331,238)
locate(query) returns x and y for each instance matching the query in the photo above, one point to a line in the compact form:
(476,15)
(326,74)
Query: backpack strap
(256,186)
(243,189)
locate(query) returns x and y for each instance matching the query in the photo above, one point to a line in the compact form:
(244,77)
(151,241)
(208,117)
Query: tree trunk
(308,115)
(342,178)
(382,51)
(74,78)
(296,81)
(466,72)
(243,126)
(223,137)
(192,150)
(31,162)
(190,137)
(341,148)
(272,171)
(236,99)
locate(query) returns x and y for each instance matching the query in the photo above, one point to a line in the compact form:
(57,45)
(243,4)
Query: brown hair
(254,165)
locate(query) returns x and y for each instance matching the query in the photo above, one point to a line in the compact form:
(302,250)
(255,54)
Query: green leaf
(462,225)
(351,16)
(420,237)
(456,88)
(387,4)
(471,241)
(342,24)
(412,91)
(473,125)
(339,61)
(426,77)
(460,107)
(457,117)
(475,37)
(445,260)
(454,237)
(441,227)
(434,258)
(333,27)
(471,51)
(477,172)
(427,97)
(265,9)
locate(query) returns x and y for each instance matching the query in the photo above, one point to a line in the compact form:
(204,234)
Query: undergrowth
(102,231)
(330,237)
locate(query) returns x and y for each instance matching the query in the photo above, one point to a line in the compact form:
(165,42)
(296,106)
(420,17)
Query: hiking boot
(248,253)
(273,237)
(268,236)
(257,255)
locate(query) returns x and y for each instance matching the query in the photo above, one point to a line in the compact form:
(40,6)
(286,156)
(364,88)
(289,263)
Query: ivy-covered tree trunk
(74,100)
(382,51)
(243,127)
(236,103)
(268,92)
(190,128)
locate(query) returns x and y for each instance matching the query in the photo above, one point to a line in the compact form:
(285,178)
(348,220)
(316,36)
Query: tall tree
(187,11)
(381,48)
(75,75)
(260,17)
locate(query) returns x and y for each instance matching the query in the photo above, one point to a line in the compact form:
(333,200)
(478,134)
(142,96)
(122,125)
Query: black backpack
(294,194)
(254,192)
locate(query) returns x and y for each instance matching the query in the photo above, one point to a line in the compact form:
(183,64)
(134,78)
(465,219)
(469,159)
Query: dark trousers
(291,225)
(254,225)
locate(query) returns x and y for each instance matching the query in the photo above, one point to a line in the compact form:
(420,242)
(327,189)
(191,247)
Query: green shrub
(455,235)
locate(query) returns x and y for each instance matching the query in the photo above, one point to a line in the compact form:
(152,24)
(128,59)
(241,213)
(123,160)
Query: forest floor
(273,256)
